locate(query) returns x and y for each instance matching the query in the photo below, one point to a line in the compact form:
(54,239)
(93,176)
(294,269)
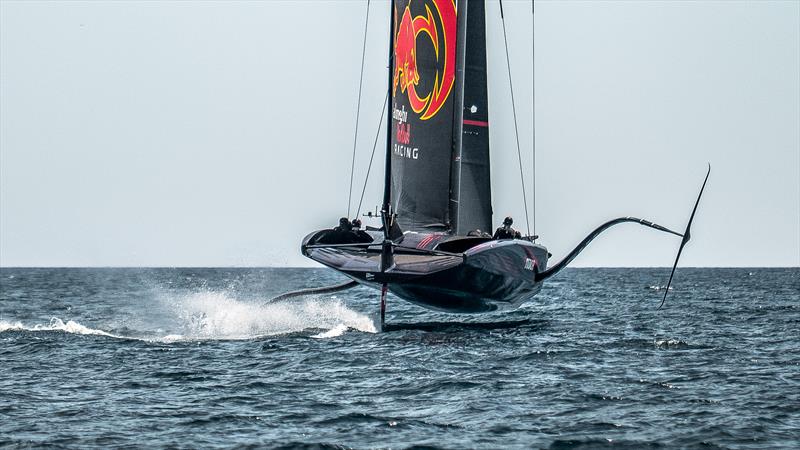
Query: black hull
(489,276)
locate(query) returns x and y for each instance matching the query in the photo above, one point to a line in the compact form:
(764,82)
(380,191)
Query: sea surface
(197,358)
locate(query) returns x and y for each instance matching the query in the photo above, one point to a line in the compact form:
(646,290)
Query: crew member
(506,232)
(362,235)
(344,225)
(344,233)
(478,233)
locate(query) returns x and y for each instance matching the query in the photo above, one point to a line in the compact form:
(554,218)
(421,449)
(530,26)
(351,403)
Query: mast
(470,184)
(458,118)
(387,180)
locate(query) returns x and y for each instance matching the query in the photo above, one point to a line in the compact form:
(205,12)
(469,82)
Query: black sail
(439,134)
(422,89)
(471,196)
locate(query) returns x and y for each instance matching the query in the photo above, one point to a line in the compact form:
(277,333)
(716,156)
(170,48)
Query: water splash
(333,332)
(217,316)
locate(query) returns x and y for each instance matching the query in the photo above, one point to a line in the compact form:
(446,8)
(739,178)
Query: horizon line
(323,267)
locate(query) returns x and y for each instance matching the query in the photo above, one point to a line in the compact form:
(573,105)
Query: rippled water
(195,358)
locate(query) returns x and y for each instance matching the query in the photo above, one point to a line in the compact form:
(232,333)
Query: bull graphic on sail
(439,29)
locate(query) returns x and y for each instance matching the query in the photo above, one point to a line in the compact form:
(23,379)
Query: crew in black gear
(506,232)
(479,233)
(362,235)
(344,225)
(341,234)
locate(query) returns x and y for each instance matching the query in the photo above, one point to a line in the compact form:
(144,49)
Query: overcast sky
(220,133)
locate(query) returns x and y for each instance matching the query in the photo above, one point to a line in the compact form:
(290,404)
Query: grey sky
(219,134)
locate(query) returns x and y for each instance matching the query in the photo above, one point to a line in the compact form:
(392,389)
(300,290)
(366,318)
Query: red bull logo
(406,74)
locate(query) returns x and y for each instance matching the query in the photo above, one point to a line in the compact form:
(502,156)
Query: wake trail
(209,316)
(215,315)
(56,324)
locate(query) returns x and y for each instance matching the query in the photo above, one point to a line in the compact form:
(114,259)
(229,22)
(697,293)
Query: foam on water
(658,288)
(670,343)
(333,332)
(217,316)
(56,324)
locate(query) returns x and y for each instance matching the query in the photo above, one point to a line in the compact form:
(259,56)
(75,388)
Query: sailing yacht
(432,249)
